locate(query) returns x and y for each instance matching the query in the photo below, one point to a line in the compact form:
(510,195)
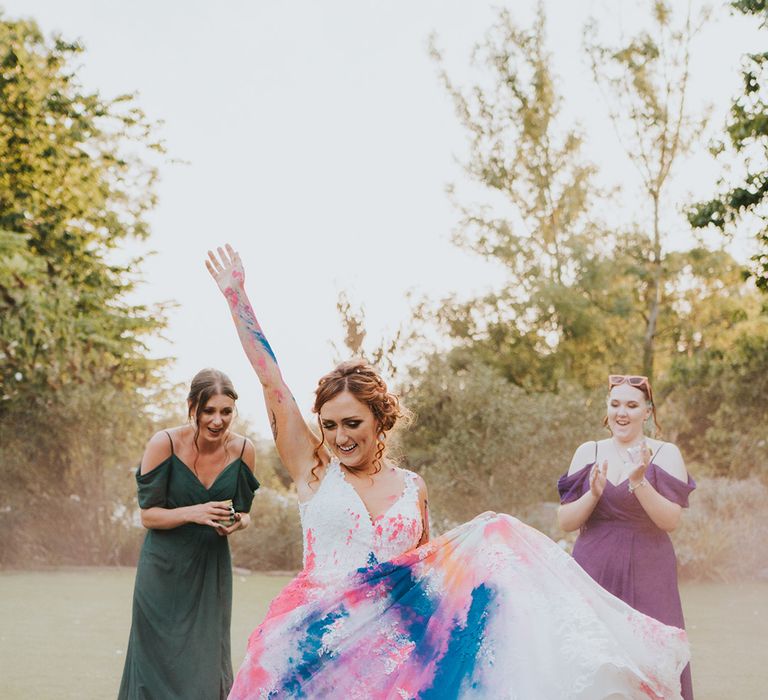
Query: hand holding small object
(209,513)
(241,521)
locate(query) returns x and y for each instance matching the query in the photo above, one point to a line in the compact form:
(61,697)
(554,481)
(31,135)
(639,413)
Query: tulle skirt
(492,610)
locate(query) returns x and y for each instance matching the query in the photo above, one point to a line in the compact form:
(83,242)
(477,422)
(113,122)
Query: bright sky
(318,142)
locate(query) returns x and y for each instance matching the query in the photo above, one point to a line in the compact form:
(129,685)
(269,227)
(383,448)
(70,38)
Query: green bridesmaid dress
(179,645)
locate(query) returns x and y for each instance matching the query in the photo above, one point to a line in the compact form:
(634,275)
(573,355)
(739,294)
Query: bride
(492,609)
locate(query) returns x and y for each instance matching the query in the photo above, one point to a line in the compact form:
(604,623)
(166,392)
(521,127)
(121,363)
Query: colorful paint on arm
(254,341)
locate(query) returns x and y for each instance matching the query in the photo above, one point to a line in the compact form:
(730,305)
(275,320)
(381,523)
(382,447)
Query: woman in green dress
(179,645)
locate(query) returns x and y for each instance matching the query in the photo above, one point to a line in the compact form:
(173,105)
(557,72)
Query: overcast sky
(318,141)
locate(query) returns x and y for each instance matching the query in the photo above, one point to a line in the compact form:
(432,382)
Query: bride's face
(350,430)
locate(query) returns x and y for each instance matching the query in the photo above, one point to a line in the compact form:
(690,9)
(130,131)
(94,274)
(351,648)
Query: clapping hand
(640,456)
(226,268)
(597,478)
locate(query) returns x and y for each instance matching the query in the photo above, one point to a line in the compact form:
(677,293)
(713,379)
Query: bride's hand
(226,268)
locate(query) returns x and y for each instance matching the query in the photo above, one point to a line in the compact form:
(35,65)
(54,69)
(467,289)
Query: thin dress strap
(169,440)
(653,459)
(595,451)
(242,452)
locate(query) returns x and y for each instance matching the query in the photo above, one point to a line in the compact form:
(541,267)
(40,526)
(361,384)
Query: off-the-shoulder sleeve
(153,486)
(672,488)
(247,484)
(574,486)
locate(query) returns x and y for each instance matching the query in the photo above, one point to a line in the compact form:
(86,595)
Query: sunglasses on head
(636,380)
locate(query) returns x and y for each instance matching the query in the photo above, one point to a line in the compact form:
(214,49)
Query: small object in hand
(231,520)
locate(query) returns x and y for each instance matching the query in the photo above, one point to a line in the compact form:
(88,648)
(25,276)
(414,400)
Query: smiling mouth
(347,449)
(215,431)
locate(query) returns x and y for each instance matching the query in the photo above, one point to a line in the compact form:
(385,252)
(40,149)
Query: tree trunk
(654,305)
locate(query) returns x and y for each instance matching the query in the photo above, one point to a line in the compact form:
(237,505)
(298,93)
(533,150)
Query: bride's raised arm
(296,443)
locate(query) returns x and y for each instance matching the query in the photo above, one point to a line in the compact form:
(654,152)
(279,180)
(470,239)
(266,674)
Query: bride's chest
(338,518)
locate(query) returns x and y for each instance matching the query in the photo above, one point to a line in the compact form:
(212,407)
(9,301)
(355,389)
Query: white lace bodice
(339,534)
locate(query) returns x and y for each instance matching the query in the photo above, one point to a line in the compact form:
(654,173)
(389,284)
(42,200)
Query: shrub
(482,443)
(716,408)
(274,540)
(724,534)
(66,470)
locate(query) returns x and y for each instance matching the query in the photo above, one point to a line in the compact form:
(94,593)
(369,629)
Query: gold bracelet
(631,488)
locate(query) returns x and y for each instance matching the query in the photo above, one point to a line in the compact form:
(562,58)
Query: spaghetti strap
(657,451)
(242,451)
(169,440)
(595,451)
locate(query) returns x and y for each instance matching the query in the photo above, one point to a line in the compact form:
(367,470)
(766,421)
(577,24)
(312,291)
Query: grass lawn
(64,633)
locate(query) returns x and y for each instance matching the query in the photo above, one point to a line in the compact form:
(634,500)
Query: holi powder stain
(264,344)
(458,663)
(312,653)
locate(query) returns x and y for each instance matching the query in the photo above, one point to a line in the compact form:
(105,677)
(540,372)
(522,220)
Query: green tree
(540,224)
(718,405)
(75,181)
(747,135)
(477,439)
(78,394)
(646,82)
(581,301)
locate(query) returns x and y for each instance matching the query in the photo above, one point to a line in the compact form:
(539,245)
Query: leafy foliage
(275,540)
(68,463)
(77,390)
(747,135)
(580,301)
(477,439)
(73,186)
(646,80)
(536,222)
(719,404)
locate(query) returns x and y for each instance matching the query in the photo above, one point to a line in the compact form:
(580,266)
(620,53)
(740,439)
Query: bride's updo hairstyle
(362,381)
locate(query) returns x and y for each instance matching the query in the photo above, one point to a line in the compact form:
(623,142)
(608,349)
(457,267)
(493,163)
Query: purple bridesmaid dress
(625,552)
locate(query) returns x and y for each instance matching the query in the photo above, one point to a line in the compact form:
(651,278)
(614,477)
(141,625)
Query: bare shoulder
(584,454)
(419,479)
(248,449)
(421,485)
(158,450)
(669,458)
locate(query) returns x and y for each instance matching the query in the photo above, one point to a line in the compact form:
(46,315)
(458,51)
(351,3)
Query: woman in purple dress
(624,494)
